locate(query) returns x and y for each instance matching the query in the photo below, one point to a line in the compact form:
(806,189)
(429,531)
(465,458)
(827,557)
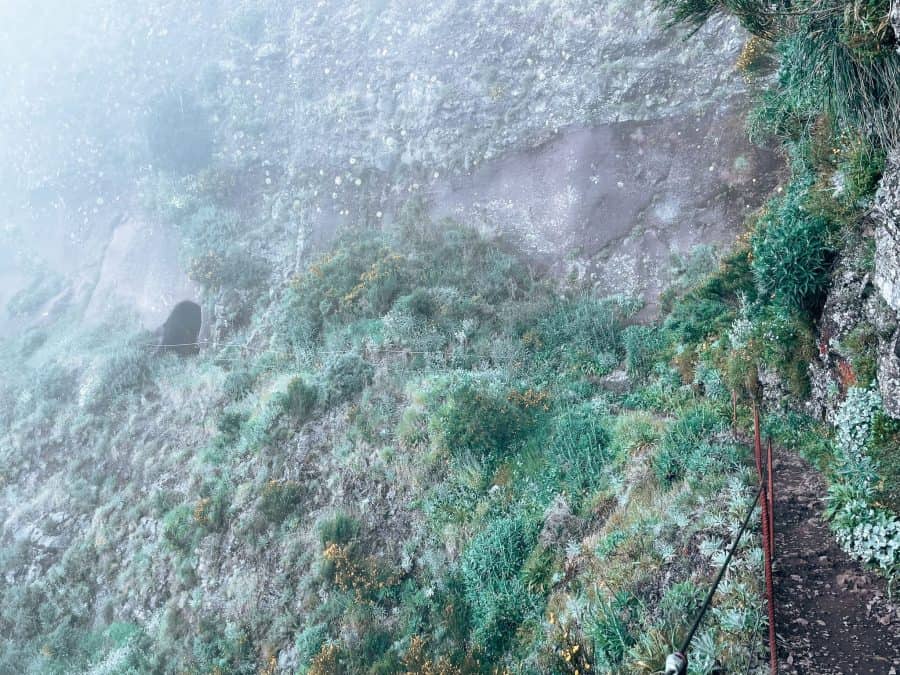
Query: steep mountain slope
(412,444)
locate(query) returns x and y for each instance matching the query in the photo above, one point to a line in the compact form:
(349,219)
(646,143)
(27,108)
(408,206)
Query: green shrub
(694,318)
(339,529)
(643,345)
(680,600)
(239,383)
(587,325)
(665,394)
(785,340)
(885,452)
(477,420)
(689,438)
(788,109)
(229,427)
(308,643)
(539,569)
(345,376)
(496,595)
(214,258)
(211,511)
(792,253)
(632,431)
(228,268)
(579,450)
(838,64)
(710,307)
(301,399)
(179,528)
(219,646)
(861,167)
(419,304)
(126,370)
(609,627)
(809,437)
(861,347)
(281,499)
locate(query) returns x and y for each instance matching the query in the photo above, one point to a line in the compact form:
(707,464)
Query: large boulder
(181,331)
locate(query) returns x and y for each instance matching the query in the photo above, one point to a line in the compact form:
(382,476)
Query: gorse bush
(308,644)
(281,499)
(339,529)
(478,419)
(345,376)
(180,529)
(359,278)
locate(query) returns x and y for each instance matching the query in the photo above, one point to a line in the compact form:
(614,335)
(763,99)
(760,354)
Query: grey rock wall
(887,235)
(895,18)
(887,277)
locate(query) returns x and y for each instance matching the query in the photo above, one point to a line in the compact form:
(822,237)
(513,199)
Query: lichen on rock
(887,278)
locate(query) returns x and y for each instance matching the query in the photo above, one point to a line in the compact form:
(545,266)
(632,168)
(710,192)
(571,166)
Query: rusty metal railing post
(770,488)
(734,398)
(767,538)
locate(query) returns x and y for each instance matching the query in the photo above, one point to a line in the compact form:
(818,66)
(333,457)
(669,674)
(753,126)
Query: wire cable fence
(677,662)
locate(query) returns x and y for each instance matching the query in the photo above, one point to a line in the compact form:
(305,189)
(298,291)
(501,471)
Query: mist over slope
(428,425)
(336,114)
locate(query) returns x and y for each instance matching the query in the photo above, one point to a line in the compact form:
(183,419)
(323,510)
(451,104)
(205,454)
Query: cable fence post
(766,504)
(771,491)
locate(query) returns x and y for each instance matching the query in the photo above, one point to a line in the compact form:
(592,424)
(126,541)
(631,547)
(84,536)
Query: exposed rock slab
(140,270)
(887,235)
(612,204)
(887,279)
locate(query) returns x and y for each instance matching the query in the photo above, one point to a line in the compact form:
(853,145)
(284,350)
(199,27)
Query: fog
(337,113)
(242,245)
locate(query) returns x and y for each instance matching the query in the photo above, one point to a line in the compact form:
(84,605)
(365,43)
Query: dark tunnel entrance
(181,330)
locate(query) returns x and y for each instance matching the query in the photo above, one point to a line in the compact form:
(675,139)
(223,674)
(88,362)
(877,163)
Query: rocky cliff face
(887,280)
(578,127)
(862,309)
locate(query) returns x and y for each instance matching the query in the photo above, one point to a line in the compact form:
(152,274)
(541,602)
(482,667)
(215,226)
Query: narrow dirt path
(833,616)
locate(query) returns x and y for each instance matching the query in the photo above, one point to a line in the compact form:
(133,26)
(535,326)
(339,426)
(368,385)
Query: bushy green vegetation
(791,252)
(833,107)
(467,401)
(511,510)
